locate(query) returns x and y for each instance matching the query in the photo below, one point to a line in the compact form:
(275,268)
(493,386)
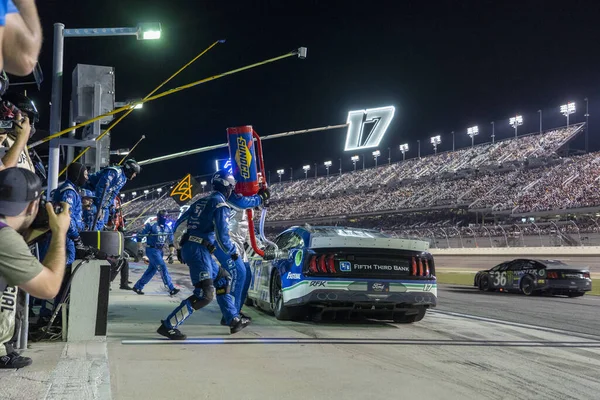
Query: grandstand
(517,177)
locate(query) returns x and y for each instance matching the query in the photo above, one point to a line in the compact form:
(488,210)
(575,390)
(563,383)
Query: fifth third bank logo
(367,127)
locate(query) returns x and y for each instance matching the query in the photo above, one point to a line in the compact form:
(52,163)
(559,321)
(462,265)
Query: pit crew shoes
(173,334)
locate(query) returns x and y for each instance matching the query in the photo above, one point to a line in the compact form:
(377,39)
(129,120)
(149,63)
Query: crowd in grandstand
(518,175)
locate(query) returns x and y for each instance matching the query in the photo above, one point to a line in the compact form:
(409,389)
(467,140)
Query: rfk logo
(377,119)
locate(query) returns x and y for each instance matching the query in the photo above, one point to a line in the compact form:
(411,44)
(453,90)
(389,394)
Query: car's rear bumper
(364,300)
(558,286)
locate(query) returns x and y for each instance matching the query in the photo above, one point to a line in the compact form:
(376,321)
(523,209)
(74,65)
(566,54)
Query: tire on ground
(282,312)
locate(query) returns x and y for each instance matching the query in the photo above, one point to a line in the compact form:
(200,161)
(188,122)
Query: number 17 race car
(535,276)
(346,271)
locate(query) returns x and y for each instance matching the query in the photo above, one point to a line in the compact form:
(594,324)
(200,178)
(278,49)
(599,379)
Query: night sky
(445,65)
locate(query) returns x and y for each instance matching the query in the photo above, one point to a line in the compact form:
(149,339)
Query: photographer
(20,193)
(13,143)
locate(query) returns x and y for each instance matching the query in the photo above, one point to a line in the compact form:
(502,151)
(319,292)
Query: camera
(42,220)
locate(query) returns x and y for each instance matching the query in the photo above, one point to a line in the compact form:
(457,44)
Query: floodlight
(306,167)
(149,31)
(159,190)
(280,172)
(327,163)
(133,194)
(146,191)
(404,147)
(355,158)
(472,131)
(203,183)
(376,153)
(435,140)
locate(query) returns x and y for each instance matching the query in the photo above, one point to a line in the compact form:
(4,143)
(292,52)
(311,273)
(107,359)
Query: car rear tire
(282,312)
(409,317)
(576,294)
(485,284)
(527,287)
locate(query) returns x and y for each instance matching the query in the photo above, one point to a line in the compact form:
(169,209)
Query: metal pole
(472,141)
(567,119)
(419,146)
(340,166)
(363,163)
(452,140)
(587,123)
(71,149)
(56,106)
(540,111)
(291,173)
(493,132)
(389,156)
(269,180)
(315,170)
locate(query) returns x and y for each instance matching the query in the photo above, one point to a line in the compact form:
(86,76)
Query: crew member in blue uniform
(238,232)
(156,234)
(68,192)
(107,184)
(89,209)
(207,227)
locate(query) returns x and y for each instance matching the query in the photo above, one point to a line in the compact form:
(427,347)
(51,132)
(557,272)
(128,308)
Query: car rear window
(347,232)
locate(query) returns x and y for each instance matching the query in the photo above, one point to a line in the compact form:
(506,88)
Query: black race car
(535,276)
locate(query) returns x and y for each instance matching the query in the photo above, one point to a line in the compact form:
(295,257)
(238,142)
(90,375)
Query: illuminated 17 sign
(371,123)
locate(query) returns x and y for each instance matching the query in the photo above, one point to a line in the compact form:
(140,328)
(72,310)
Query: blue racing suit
(156,237)
(106,183)
(69,193)
(207,226)
(238,228)
(88,218)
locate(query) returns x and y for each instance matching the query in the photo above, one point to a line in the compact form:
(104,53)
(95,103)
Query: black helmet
(161,216)
(223,182)
(130,167)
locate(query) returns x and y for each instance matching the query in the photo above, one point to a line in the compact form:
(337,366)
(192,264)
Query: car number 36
(499,278)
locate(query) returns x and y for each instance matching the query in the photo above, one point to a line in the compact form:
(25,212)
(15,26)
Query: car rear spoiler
(320,242)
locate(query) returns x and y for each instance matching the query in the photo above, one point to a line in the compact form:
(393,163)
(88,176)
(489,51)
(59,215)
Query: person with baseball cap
(20,193)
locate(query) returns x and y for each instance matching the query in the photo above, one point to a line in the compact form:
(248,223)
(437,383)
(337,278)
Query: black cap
(18,188)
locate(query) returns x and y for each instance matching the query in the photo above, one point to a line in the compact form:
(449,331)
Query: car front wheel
(527,286)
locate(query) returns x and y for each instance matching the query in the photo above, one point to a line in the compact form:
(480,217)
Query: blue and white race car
(348,270)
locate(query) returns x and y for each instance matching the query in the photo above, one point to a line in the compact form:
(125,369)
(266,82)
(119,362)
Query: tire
(526,285)
(110,242)
(485,284)
(282,312)
(404,318)
(576,294)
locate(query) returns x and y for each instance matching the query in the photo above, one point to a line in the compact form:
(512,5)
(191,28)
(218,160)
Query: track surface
(581,315)
(474,346)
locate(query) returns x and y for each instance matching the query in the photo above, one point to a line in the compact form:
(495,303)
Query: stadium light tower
(376,154)
(473,131)
(159,190)
(493,131)
(203,184)
(587,122)
(404,149)
(306,168)
(435,141)
(280,172)
(134,194)
(327,165)
(122,195)
(355,160)
(515,122)
(146,193)
(567,109)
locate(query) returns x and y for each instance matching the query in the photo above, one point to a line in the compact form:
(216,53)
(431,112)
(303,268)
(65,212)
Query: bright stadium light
(122,195)
(203,184)
(472,132)
(306,168)
(355,160)
(280,172)
(515,122)
(159,190)
(404,149)
(134,194)
(435,141)
(327,165)
(149,31)
(567,109)
(376,154)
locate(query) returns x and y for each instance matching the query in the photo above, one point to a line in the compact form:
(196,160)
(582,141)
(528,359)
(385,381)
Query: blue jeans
(155,256)
(237,270)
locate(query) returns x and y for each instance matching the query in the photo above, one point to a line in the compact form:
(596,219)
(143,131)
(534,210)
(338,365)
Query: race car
(535,276)
(347,271)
